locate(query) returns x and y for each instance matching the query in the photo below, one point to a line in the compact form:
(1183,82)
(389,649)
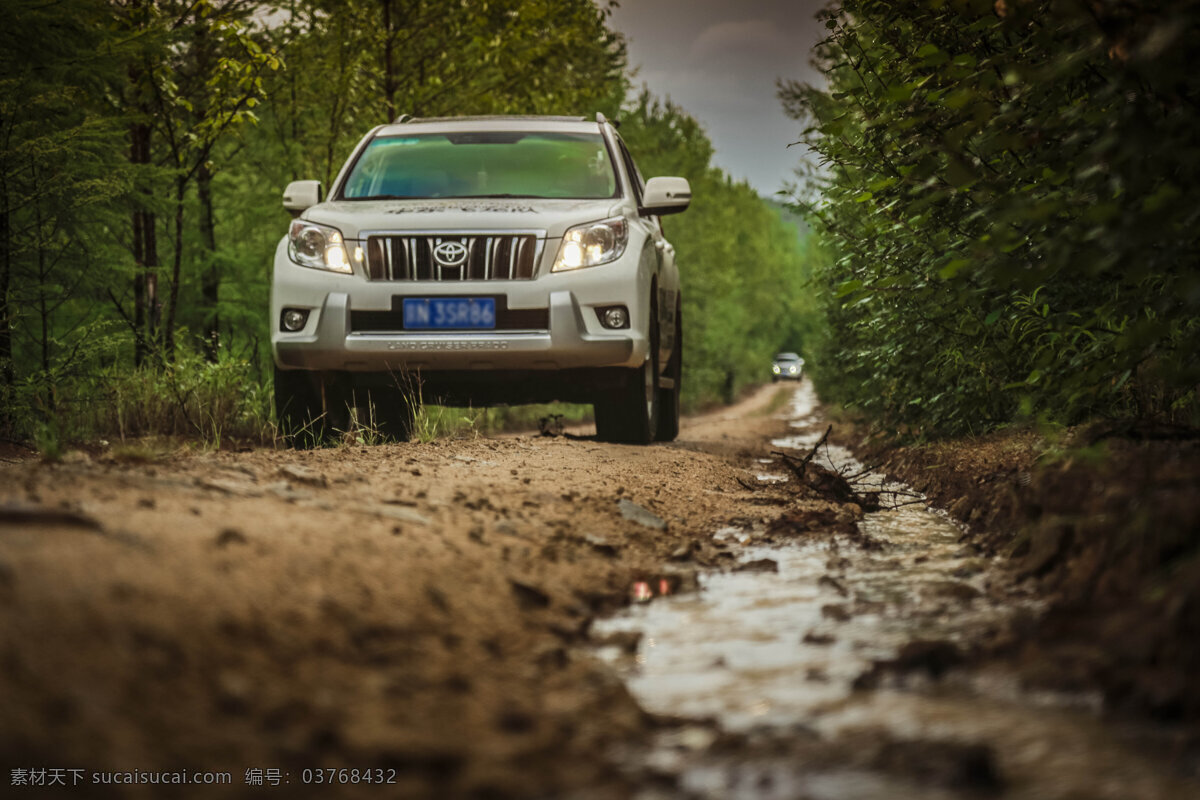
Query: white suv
(480,260)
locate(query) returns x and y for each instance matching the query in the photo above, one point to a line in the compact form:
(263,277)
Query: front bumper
(567,344)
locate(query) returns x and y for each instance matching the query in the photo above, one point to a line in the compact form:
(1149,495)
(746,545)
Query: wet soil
(852,661)
(1104,525)
(444,612)
(413,607)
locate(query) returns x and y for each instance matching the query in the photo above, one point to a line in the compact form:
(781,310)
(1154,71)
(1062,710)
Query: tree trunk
(146,310)
(7,373)
(211,281)
(47,379)
(137,136)
(389,68)
(7,370)
(176,271)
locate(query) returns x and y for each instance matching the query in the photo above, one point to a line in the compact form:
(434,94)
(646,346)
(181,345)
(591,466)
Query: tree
(60,172)
(1011,209)
(737,258)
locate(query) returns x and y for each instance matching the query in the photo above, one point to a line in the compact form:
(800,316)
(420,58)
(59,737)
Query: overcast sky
(719,60)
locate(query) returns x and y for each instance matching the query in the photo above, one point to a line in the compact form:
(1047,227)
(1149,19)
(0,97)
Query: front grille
(477,257)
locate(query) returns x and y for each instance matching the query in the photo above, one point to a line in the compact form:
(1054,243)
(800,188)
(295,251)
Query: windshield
(483,164)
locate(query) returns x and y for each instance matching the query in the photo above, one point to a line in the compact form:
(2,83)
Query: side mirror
(300,195)
(665,196)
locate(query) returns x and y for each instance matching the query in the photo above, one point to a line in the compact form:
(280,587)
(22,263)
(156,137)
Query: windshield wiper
(498,197)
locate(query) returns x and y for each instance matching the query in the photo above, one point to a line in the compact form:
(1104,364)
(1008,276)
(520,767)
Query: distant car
(787,366)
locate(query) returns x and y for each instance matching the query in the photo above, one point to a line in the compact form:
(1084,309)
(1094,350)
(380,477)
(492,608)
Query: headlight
(319,246)
(775,369)
(792,370)
(592,244)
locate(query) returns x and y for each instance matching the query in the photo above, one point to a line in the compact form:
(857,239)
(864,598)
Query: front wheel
(668,398)
(309,407)
(631,414)
(387,411)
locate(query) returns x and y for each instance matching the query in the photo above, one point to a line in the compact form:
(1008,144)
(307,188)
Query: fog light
(294,319)
(615,317)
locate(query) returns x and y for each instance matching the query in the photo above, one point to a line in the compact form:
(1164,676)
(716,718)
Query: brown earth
(410,608)
(1104,523)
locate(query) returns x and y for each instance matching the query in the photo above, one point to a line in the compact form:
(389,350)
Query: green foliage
(1009,211)
(144,146)
(190,397)
(741,264)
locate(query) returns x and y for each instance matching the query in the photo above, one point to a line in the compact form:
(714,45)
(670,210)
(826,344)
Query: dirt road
(409,611)
(459,619)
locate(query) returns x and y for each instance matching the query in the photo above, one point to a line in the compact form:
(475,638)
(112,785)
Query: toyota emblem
(450,254)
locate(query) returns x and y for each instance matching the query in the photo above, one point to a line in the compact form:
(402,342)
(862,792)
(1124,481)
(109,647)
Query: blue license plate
(429,313)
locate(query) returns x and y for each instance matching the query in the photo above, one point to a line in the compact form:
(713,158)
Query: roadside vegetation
(1008,203)
(1008,214)
(143,153)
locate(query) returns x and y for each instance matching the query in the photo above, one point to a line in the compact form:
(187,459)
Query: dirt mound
(1107,527)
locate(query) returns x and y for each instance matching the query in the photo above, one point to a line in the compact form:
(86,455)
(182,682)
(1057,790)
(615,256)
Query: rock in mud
(625,641)
(529,597)
(400,513)
(601,545)
(21,515)
(951,764)
(932,657)
(230,536)
(306,475)
(635,513)
(758,565)
(835,612)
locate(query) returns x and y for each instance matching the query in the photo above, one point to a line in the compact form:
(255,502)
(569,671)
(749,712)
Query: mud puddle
(782,665)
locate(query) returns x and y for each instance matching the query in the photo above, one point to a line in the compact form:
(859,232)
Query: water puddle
(769,659)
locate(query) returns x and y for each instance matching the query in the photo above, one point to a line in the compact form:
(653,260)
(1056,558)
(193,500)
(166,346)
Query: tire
(630,414)
(668,399)
(300,408)
(386,410)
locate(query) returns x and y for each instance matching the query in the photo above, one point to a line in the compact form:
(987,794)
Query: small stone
(758,565)
(635,513)
(230,536)
(304,475)
(836,613)
(401,513)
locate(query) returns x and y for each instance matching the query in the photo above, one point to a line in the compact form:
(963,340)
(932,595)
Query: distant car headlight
(592,244)
(791,370)
(775,368)
(318,246)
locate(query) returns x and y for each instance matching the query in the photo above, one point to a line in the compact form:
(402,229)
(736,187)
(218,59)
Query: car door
(668,274)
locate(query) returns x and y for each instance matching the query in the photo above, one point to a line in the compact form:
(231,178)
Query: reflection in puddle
(773,650)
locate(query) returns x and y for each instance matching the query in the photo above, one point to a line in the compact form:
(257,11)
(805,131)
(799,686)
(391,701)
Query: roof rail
(402,119)
(616,123)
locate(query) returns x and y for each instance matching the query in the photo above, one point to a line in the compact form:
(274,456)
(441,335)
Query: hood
(463,215)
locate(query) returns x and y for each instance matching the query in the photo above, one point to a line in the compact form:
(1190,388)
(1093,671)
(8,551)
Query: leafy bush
(1010,205)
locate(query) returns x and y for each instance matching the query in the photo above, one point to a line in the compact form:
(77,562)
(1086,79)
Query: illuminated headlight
(592,244)
(775,368)
(791,370)
(318,246)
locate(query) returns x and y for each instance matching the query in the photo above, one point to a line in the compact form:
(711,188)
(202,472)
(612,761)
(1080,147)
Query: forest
(1002,195)
(144,145)
(1008,205)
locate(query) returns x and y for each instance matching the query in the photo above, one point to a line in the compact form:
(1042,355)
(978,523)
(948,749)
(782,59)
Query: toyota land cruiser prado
(480,260)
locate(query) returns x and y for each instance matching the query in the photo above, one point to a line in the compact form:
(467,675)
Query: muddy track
(415,608)
(468,619)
